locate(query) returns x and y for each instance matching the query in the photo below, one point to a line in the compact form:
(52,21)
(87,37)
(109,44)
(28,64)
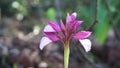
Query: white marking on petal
(44,42)
(75,14)
(86,44)
(48,28)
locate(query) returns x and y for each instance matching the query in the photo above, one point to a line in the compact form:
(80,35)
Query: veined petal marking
(44,42)
(48,28)
(86,43)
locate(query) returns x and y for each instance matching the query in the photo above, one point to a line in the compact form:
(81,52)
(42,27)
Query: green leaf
(51,13)
(102,27)
(14,65)
(101,30)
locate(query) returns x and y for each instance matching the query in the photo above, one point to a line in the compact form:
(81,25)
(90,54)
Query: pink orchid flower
(54,32)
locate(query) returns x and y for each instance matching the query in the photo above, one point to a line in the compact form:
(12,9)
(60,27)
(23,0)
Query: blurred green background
(22,22)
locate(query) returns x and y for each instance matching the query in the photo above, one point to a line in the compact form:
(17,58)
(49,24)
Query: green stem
(66,55)
(14,65)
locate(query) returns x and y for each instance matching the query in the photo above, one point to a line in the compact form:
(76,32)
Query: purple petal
(52,36)
(68,22)
(48,28)
(44,42)
(82,34)
(68,18)
(55,26)
(73,16)
(86,44)
(62,25)
(77,24)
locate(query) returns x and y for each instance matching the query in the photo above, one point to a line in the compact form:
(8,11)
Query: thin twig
(57,6)
(95,17)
